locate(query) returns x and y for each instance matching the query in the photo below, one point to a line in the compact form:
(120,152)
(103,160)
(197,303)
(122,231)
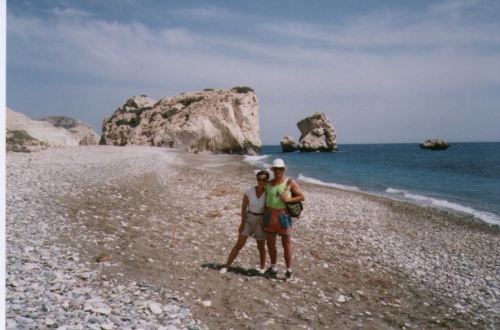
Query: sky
(382,71)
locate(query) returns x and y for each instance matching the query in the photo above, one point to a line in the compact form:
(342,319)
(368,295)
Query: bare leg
(271,247)
(261,246)
(236,249)
(286,241)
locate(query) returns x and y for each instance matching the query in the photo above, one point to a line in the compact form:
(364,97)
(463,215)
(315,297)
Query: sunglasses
(278,169)
(262,180)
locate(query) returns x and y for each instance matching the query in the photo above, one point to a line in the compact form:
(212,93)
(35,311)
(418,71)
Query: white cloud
(205,14)
(68,12)
(371,65)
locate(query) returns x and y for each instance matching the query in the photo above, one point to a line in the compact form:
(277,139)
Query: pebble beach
(103,237)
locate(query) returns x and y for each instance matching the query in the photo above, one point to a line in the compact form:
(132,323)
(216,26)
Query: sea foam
(444,204)
(319,182)
(258,161)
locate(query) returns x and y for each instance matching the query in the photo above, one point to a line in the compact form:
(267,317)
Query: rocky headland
(108,237)
(26,135)
(217,121)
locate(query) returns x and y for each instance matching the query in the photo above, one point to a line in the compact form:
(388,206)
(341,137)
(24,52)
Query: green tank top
(273,195)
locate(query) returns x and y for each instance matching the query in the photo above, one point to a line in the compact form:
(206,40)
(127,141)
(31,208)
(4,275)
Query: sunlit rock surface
(208,121)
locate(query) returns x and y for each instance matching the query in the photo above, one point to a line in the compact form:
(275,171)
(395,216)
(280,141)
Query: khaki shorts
(253,227)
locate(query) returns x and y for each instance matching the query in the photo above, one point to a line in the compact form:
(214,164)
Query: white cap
(278,162)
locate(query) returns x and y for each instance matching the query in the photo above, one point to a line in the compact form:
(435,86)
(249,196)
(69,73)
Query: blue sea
(463,179)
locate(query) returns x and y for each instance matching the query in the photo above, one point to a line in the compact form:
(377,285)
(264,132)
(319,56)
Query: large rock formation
(318,134)
(434,144)
(40,130)
(24,132)
(84,131)
(288,144)
(213,121)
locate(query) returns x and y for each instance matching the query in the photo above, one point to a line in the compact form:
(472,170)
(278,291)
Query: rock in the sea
(318,134)
(434,144)
(208,121)
(288,144)
(84,131)
(42,131)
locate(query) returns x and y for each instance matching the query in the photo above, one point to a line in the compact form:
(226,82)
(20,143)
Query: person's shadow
(235,269)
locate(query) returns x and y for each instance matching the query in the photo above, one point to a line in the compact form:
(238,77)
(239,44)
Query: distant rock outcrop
(21,141)
(288,144)
(26,134)
(208,121)
(318,134)
(40,130)
(84,131)
(434,144)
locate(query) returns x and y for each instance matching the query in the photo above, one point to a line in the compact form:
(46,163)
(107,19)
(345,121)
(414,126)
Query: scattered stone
(439,266)
(103,257)
(155,308)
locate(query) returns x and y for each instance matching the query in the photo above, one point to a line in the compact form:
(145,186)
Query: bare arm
(295,189)
(244,207)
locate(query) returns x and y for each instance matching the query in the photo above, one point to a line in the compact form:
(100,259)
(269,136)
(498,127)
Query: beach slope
(111,237)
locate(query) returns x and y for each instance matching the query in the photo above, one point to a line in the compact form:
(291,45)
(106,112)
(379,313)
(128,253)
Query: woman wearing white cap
(277,220)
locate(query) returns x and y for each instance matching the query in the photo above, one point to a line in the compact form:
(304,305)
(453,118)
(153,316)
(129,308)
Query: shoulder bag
(294,208)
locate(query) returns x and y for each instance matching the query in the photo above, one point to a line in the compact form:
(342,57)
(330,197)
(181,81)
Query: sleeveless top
(273,195)
(255,205)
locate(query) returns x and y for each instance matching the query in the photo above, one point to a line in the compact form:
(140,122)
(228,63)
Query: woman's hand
(284,197)
(240,228)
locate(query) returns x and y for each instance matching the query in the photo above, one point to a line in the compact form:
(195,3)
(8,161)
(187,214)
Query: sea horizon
(371,143)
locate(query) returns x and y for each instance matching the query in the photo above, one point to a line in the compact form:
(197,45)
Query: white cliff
(208,121)
(85,132)
(43,131)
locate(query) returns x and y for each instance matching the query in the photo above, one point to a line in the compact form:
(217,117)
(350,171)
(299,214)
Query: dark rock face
(434,144)
(288,144)
(62,121)
(318,134)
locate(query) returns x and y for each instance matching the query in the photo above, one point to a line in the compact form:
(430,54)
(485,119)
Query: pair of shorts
(278,221)
(253,227)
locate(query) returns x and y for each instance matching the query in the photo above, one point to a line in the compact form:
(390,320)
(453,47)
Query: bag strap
(288,182)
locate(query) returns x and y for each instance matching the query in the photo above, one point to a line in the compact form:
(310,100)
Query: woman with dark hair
(252,216)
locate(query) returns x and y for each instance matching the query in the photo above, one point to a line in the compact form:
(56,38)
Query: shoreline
(467,198)
(358,258)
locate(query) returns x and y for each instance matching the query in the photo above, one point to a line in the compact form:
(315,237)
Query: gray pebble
(93,319)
